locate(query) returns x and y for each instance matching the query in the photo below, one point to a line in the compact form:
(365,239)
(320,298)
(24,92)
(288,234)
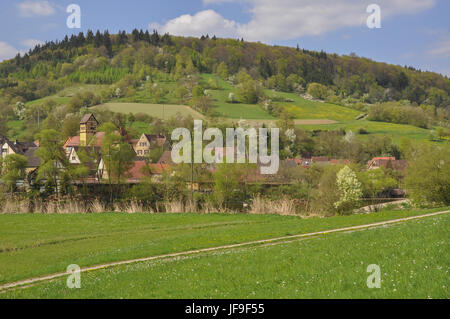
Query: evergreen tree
(98,39)
(107,43)
(90,36)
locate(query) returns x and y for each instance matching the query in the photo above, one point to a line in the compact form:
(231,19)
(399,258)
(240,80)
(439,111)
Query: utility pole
(192,174)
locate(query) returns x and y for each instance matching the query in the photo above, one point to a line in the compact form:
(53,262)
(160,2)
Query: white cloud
(36,8)
(202,23)
(288,19)
(31,43)
(7,51)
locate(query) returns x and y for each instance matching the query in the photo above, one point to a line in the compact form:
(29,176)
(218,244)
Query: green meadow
(396,131)
(412,256)
(64,96)
(34,244)
(163,111)
(232,110)
(305,109)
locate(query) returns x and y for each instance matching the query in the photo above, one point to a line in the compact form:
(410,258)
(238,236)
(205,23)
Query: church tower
(88,128)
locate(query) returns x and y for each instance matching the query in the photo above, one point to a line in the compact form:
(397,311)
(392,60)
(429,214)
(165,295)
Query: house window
(146,152)
(139,152)
(73,158)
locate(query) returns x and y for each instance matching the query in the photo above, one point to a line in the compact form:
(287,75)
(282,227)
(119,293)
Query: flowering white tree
(19,110)
(349,187)
(349,137)
(118,92)
(290,135)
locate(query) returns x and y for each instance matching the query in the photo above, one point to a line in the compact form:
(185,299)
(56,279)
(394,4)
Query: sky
(412,32)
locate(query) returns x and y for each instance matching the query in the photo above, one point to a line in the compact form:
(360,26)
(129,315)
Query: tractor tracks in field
(258,243)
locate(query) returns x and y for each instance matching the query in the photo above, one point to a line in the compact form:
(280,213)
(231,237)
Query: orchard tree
(118,155)
(318,91)
(250,92)
(230,187)
(376,181)
(350,189)
(3,127)
(53,157)
(19,110)
(13,170)
(427,176)
(82,171)
(222,70)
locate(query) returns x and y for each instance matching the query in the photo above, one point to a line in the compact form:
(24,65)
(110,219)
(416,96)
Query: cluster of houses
(376,162)
(90,141)
(316,160)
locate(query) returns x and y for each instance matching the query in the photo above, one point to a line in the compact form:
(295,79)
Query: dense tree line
(103,58)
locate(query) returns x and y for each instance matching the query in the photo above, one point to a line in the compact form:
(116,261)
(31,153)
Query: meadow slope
(412,257)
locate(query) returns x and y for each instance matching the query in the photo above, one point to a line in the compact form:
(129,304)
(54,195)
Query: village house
(139,169)
(166,158)
(317,160)
(146,142)
(26,149)
(387,162)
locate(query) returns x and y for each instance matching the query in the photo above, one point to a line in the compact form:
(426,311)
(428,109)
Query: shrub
(427,176)
(350,190)
(318,91)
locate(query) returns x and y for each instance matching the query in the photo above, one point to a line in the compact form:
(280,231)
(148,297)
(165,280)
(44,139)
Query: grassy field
(396,131)
(305,109)
(64,96)
(300,108)
(163,111)
(413,258)
(233,110)
(33,245)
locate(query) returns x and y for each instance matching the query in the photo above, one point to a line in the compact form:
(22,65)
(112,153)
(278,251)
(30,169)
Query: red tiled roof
(297,160)
(73,141)
(159,138)
(340,161)
(319,159)
(137,171)
(158,169)
(383,158)
(166,158)
(133,142)
(387,162)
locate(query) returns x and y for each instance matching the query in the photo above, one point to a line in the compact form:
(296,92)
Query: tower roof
(87,117)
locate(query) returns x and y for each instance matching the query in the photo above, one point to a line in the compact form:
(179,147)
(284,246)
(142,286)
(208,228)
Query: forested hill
(101,58)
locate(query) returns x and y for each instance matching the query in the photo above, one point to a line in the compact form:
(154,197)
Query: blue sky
(413,32)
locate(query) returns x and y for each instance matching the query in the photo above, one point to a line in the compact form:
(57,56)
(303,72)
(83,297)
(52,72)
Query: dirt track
(31,281)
